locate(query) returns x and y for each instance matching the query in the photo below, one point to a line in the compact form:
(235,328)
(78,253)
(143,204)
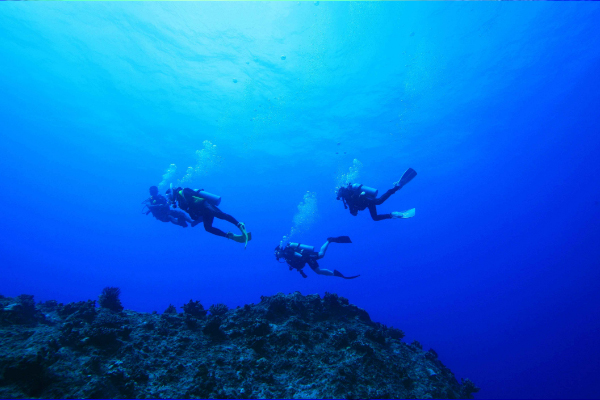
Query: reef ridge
(286,346)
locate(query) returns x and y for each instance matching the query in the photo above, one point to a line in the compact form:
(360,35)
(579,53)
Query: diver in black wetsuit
(201,210)
(158,206)
(357,197)
(298,255)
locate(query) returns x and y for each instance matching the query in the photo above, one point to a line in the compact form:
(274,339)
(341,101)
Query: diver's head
(341,193)
(278,254)
(153,190)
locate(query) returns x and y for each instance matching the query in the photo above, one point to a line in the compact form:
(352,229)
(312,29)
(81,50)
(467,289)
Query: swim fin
(240,238)
(408,175)
(339,239)
(403,214)
(339,274)
(242,228)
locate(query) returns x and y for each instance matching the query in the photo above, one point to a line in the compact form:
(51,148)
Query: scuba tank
(299,247)
(210,198)
(370,192)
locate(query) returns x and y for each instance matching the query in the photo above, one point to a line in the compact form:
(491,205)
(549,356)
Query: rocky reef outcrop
(286,346)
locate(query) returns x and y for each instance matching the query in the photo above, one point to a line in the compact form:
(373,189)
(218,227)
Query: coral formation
(194,309)
(170,310)
(19,311)
(109,298)
(218,309)
(286,346)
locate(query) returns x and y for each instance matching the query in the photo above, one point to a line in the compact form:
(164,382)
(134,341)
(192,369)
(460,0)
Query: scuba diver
(202,207)
(298,255)
(158,206)
(357,197)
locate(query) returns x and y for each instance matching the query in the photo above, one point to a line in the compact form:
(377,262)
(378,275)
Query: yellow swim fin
(242,228)
(240,238)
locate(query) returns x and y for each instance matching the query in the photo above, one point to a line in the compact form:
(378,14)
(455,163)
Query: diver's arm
(295,265)
(153,207)
(191,196)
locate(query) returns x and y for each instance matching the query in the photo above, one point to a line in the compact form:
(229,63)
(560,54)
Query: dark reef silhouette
(286,346)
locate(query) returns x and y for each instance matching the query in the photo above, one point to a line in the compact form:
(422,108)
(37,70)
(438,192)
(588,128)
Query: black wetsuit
(298,258)
(355,202)
(157,205)
(200,210)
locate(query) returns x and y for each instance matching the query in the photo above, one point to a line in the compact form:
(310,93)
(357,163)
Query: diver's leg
(182,222)
(179,218)
(375,216)
(386,195)
(208,220)
(244,237)
(196,222)
(318,270)
(323,250)
(185,217)
(182,216)
(221,215)
(176,221)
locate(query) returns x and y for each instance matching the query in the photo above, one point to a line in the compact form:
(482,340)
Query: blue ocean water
(495,105)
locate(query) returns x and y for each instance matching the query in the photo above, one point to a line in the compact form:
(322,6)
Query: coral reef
(109,298)
(286,346)
(218,309)
(20,311)
(194,309)
(170,310)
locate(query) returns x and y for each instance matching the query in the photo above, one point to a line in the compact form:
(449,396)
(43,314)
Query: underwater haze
(272,106)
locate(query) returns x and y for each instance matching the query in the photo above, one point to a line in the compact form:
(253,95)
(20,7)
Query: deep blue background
(495,106)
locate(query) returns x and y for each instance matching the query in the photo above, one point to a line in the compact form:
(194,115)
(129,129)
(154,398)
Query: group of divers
(198,206)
